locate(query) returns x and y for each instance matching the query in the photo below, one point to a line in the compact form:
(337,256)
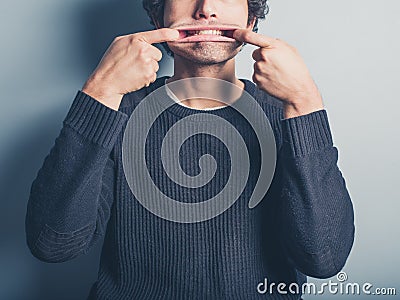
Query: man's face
(206,28)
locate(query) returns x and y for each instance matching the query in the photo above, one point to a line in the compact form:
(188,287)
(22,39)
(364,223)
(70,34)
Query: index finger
(160,35)
(251,37)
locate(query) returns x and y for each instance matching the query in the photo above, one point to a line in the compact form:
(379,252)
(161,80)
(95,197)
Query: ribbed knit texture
(303,226)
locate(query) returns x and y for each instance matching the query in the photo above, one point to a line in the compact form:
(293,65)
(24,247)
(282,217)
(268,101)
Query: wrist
(302,105)
(102,94)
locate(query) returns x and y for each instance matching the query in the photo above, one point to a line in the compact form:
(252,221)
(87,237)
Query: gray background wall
(48,49)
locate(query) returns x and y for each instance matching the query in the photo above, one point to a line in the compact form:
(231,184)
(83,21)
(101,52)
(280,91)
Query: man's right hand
(129,64)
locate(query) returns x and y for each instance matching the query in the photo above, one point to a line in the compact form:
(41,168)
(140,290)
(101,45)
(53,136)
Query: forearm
(64,199)
(316,210)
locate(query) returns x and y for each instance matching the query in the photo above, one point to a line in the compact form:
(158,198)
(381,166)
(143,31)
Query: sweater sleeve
(71,197)
(315,210)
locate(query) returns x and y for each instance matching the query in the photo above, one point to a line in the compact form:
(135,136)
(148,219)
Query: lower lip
(205,38)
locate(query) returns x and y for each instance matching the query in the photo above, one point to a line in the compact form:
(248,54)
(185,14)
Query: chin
(206,53)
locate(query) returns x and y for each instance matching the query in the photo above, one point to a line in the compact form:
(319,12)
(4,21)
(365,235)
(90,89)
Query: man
(304,225)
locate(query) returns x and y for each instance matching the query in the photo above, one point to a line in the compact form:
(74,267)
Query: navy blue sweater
(304,226)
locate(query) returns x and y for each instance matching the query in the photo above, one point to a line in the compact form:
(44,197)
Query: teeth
(200,32)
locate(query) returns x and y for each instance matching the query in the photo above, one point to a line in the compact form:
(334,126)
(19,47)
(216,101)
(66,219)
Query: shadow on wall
(102,23)
(21,275)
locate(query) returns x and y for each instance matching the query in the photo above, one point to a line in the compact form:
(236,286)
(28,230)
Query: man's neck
(184,68)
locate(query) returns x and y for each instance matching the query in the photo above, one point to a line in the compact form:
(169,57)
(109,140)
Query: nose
(205,10)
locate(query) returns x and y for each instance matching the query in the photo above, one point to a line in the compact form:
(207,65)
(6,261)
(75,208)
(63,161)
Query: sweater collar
(226,112)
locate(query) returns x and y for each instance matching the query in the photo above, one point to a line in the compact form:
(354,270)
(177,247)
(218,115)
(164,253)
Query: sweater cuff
(94,120)
(307,133)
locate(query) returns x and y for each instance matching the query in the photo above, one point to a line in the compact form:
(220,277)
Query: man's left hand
(280,70)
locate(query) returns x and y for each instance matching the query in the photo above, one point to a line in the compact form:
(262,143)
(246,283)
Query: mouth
(206,34)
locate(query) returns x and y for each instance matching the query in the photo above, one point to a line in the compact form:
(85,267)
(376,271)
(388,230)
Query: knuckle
(258,67)
(158,55)
(133,39)
(149,75)
(264,54)
(256,54)
(150,80)
(135,36)
(142,52)
(257,78)
(156,67)
(254,78)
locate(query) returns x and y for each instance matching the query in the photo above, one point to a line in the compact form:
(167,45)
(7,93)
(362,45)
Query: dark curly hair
(155,10)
